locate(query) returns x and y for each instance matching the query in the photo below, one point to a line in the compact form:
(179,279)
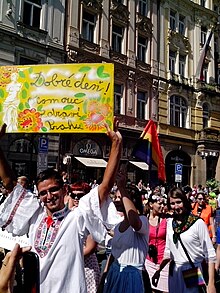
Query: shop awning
(141,165)
(92,162)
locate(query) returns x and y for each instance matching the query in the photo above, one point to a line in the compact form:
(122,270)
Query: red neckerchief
(49,221)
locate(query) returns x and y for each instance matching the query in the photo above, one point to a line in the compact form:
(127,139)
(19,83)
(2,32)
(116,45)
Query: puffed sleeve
(97,220)
(17,210)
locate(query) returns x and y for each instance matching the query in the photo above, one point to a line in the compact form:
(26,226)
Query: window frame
(117,38)
(205,115)
(88,27)
(142,49)
(32,14)
(178,111)
(141,104)
(143,7)
(172,61)
(182,65)
(181,25)
(172,20)
(118,96)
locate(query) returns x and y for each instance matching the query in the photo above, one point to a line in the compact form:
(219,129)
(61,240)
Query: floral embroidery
(188,221)
(47,231)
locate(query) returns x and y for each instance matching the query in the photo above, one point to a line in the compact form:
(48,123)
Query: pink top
(161,238)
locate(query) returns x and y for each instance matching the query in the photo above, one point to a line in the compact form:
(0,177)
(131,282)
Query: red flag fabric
(148,149)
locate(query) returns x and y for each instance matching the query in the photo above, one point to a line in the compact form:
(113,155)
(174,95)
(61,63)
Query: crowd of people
(156,240)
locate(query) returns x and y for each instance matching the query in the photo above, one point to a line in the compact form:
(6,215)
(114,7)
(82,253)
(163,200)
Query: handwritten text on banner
(57,98)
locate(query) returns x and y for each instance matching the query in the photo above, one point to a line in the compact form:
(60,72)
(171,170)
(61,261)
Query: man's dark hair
(49,174)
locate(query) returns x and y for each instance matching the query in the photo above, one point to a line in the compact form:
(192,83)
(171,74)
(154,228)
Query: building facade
(189,90)
(32,32)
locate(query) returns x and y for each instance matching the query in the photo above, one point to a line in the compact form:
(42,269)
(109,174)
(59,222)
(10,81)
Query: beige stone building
(189,98)
(156,47)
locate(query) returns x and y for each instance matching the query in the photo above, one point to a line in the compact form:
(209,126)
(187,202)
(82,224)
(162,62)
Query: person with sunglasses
(92,271)
(202,209)
(55,232)
(187,245)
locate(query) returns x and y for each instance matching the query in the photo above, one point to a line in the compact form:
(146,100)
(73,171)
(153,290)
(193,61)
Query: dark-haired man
(56,233)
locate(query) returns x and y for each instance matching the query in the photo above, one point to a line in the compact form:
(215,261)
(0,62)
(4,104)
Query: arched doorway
(178,156)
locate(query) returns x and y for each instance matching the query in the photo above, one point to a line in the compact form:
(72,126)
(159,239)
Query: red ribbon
(49,221)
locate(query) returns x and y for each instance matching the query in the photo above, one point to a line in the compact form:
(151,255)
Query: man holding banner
(56,233)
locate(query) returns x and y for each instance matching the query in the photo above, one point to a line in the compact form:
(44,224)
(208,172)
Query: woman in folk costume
(187,245)
(129,248)
(157,240)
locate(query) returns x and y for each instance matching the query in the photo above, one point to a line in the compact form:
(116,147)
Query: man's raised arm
(113,162)
(6,174)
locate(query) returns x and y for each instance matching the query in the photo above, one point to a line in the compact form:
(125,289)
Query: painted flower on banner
(30,120)
(95,121)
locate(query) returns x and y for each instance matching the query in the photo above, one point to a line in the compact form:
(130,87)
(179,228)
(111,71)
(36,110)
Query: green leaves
(100,72)
(1,93)
(44,129)
(24,94)
(68,107)
(21,74)
(21,106)
(84,69)
(39,108)
(79,95)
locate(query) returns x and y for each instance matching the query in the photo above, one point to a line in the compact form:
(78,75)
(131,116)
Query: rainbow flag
(148,149)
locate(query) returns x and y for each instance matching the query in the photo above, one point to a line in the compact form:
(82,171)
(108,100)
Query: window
(203,34)
(218,76)
(117,36)
(182,62)
(142,48)
(88,26)
(143,7)
(202,3)
(178,111)
(118,93)
(172,61)
(141,103)
(205,115)
(182,24)
(32,12)
(22,146)
(172,20)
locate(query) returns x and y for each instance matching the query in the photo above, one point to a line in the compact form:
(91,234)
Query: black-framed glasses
(53,190)
(76,195)
(200,198)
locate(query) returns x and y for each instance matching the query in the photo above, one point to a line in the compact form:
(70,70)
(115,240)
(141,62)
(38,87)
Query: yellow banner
(57,98)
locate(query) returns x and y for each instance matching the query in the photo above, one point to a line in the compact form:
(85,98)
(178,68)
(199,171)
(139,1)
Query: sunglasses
(53,190)
(77,195)
(200,198)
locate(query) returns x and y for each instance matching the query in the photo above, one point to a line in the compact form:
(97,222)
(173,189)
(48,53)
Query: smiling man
(56,232)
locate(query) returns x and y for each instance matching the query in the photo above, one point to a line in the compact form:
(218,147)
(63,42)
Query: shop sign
(87,148)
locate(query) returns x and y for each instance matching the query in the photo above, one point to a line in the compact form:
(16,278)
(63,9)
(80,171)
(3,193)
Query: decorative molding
(118,57)
(179,41)
(120,13)
(88,46)
(36,35)
(94,5)
(144,25)
(143,66)
(72,54)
